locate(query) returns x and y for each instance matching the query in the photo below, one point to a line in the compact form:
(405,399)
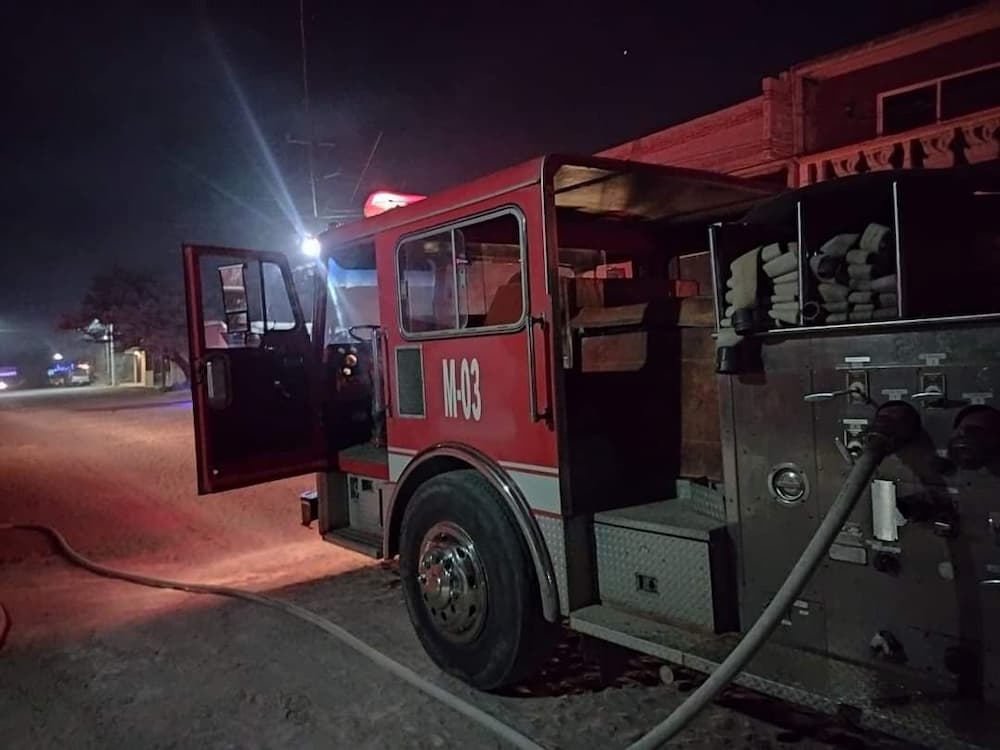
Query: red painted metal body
(505,429)
(512,384)
(245,432)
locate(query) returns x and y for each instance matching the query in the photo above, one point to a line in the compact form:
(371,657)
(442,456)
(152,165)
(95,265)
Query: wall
(842,110)
(721,141)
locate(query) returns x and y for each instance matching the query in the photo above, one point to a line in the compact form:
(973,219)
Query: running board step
(356,540)
(917,711)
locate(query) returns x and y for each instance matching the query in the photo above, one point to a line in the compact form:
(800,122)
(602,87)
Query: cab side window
(242,301)
(464,277)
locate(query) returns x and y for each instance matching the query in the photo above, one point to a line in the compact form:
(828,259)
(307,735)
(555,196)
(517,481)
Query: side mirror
(234,287)
(234,297)
(237,322)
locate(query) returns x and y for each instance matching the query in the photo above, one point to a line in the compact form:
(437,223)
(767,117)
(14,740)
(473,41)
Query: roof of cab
(512,178)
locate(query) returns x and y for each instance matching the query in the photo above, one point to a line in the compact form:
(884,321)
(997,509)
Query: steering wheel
(367,327)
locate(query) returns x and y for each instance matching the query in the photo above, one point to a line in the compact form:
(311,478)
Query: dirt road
(93,663)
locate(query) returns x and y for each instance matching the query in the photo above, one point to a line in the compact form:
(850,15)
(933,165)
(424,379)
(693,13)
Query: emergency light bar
(382,200)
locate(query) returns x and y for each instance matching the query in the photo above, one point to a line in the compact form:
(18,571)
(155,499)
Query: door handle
(280,388)
(537,415)
(216,378)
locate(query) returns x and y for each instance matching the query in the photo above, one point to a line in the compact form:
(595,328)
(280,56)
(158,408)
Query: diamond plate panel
(661,575)
(702,499)
(926,713)
(555,540)
(911,708)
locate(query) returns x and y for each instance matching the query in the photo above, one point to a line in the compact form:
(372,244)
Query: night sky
(124,135)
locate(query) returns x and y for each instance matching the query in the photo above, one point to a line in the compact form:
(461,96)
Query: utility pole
(311,148)
(111,353)
(312,145)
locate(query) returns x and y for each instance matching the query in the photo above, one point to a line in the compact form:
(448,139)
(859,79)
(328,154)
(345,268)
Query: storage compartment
(668,562)
(872,248)
(365,504)
(757,269)
(638,395)
(352,507)
(950,237)
(850,254)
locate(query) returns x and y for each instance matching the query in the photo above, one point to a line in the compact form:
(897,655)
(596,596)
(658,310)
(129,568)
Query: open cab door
(255,379)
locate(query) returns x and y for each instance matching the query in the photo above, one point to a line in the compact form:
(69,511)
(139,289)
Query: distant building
(927,96)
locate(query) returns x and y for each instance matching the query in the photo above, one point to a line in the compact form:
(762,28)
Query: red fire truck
(534,390)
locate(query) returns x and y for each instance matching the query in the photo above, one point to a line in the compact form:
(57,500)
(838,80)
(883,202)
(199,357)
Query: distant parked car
(9,378)
(69,373)
(80,375)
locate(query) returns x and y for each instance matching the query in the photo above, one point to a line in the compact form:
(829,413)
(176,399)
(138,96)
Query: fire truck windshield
(351,300)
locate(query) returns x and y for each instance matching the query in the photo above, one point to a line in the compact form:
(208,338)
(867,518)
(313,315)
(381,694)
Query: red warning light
(382,200)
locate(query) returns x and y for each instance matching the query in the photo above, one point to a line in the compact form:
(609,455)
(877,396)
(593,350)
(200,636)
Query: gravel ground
(94,663)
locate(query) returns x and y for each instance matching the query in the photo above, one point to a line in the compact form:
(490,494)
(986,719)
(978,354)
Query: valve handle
(856,388)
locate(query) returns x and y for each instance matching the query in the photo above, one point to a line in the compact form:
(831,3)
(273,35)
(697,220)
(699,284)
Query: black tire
(514,638)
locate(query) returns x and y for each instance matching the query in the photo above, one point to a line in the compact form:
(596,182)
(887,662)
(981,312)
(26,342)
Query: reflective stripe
(541,491)
(397,463)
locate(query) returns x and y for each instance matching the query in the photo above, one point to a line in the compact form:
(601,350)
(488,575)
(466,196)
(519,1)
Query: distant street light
(310,246)
(57,357)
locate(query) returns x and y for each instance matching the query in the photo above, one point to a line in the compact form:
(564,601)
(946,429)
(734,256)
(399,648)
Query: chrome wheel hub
(452,582)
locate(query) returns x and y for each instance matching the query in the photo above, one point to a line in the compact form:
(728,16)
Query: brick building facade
(927,96)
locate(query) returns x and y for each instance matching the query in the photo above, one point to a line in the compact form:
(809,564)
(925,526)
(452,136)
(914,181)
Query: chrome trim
(454,281)
(536,415)
(210,379)
(713,231)
(529,321)
(453,583)
(776,493)
(512,496)
(545,233)
(879,324)
(553,341)
(927,396)
(511,209)
(800,250)
(900,302)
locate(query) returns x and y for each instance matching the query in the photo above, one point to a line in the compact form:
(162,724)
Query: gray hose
(851,491)
(504,732)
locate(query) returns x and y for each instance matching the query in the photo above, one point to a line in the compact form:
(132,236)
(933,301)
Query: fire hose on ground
(894,425)
(497,727)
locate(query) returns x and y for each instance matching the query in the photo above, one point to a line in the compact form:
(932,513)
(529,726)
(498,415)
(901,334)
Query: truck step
(671,517)
(913,709)
(356,540)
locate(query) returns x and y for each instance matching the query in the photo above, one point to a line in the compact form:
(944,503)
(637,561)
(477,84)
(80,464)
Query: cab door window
(468,276)
(242,301)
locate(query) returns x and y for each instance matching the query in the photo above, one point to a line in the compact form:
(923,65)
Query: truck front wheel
(470,587)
